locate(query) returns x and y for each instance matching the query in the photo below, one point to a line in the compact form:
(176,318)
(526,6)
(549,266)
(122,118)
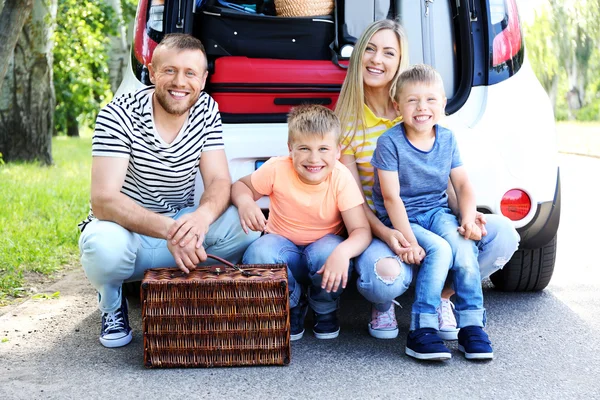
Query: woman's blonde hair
(349,107)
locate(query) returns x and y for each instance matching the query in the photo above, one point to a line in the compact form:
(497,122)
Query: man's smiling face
(179,77)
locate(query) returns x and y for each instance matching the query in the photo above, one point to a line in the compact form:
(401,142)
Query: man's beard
(163,100)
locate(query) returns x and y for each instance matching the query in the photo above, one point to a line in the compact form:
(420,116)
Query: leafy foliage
(81,77)
(562,47)
(128,8)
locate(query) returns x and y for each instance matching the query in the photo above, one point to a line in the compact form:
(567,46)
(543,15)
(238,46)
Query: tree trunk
(72,127)
(117,57)
(27,99)
(12,18)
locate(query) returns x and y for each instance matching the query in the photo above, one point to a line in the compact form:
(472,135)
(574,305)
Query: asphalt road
(547,344)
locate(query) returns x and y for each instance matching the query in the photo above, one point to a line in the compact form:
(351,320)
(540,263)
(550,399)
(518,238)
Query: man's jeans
(495,249)
(303,262)
(110,254)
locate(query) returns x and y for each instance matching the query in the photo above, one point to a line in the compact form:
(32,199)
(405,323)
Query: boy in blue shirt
(413,162)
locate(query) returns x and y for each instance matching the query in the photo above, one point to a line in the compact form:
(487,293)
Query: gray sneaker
(116,331)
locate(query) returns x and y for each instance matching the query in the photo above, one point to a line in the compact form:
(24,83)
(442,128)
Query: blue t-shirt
(423,175)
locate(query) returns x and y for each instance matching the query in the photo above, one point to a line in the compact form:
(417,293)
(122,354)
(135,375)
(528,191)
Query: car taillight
(515,204)
(507,43)
(148,29)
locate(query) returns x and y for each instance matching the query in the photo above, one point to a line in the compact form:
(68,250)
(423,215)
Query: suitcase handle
(231,265)
(279,101)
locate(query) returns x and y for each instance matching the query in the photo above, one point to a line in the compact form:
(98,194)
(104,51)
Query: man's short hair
(419,73)
(312,119)
(181,41)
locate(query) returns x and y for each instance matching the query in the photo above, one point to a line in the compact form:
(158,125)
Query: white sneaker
(447,321)
(383,324)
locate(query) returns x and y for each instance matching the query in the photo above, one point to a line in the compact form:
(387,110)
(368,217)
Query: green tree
(81,75)
(542,52)
(576,35)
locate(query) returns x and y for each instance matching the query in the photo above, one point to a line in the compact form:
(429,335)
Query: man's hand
(415,255)
(252,217)
(189,227)
(397,242)
(335,271)
(470,230)
(188,256)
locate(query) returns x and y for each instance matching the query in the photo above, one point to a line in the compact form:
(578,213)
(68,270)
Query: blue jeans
(110,254)
(303,262)
(495,250)
(445,248)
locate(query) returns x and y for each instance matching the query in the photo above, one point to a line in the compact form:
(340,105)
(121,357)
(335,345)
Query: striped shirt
(362,147)
(160,176)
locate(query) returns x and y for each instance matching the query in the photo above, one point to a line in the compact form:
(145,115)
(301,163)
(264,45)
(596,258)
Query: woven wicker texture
(303,8)
(205,319)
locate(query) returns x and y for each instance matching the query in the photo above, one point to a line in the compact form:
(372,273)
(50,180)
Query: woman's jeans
(303,262)
(495,250)
(110,254)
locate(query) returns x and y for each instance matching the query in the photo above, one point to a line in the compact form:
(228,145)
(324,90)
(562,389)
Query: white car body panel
(506,135)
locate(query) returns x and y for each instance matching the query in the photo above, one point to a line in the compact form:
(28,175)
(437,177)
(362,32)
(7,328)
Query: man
(146,150)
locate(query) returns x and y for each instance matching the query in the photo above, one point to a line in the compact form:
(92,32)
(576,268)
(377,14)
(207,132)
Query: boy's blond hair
(312,119)
(419,73)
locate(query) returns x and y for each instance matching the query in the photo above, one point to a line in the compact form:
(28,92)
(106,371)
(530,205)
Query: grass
(39,211)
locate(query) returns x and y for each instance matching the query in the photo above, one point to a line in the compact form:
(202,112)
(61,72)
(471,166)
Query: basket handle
(232,265)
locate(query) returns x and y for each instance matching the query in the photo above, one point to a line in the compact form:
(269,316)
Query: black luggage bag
(227,32)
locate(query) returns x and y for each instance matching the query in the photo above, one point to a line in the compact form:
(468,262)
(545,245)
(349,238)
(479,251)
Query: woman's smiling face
(381,59)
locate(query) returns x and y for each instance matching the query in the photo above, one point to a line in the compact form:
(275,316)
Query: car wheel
(528,269)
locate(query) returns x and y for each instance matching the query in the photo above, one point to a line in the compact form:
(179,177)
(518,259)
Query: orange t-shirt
(305,213)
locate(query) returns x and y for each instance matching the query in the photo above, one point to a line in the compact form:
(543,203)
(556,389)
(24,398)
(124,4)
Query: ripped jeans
(495,249)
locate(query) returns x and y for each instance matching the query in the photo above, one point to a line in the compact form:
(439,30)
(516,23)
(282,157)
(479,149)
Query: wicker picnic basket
(303,8)
(216,316)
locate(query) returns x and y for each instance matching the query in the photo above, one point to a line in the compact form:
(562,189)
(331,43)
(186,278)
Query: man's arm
(109,204)
(214,200)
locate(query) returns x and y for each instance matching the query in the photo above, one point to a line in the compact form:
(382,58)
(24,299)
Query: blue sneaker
(115,327)
(425,344)
(474,342)
(297,315)
(326,325)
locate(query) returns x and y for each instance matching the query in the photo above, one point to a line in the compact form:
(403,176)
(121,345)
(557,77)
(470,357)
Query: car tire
(528,270)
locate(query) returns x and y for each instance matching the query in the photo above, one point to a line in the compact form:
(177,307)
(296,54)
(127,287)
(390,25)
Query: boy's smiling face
(421,105)
(314,156)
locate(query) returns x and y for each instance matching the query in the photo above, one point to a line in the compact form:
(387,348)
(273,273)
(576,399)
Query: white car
(499,112)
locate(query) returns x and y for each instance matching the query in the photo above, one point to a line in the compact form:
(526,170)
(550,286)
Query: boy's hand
(335,271)
(415,255)
(470,230)
(480,221)
(397,242)
(252,217)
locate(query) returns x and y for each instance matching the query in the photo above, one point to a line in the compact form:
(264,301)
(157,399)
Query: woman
(366,110)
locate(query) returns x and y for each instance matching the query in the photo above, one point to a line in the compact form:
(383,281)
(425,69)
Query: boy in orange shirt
(312,197)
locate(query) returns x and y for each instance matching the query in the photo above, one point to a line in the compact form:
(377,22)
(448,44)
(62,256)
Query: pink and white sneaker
(447,321)
(383,324)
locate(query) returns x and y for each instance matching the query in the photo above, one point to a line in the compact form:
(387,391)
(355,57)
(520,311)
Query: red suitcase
(256,90)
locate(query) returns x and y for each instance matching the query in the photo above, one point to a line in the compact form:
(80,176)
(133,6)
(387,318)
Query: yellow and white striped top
(362,147)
